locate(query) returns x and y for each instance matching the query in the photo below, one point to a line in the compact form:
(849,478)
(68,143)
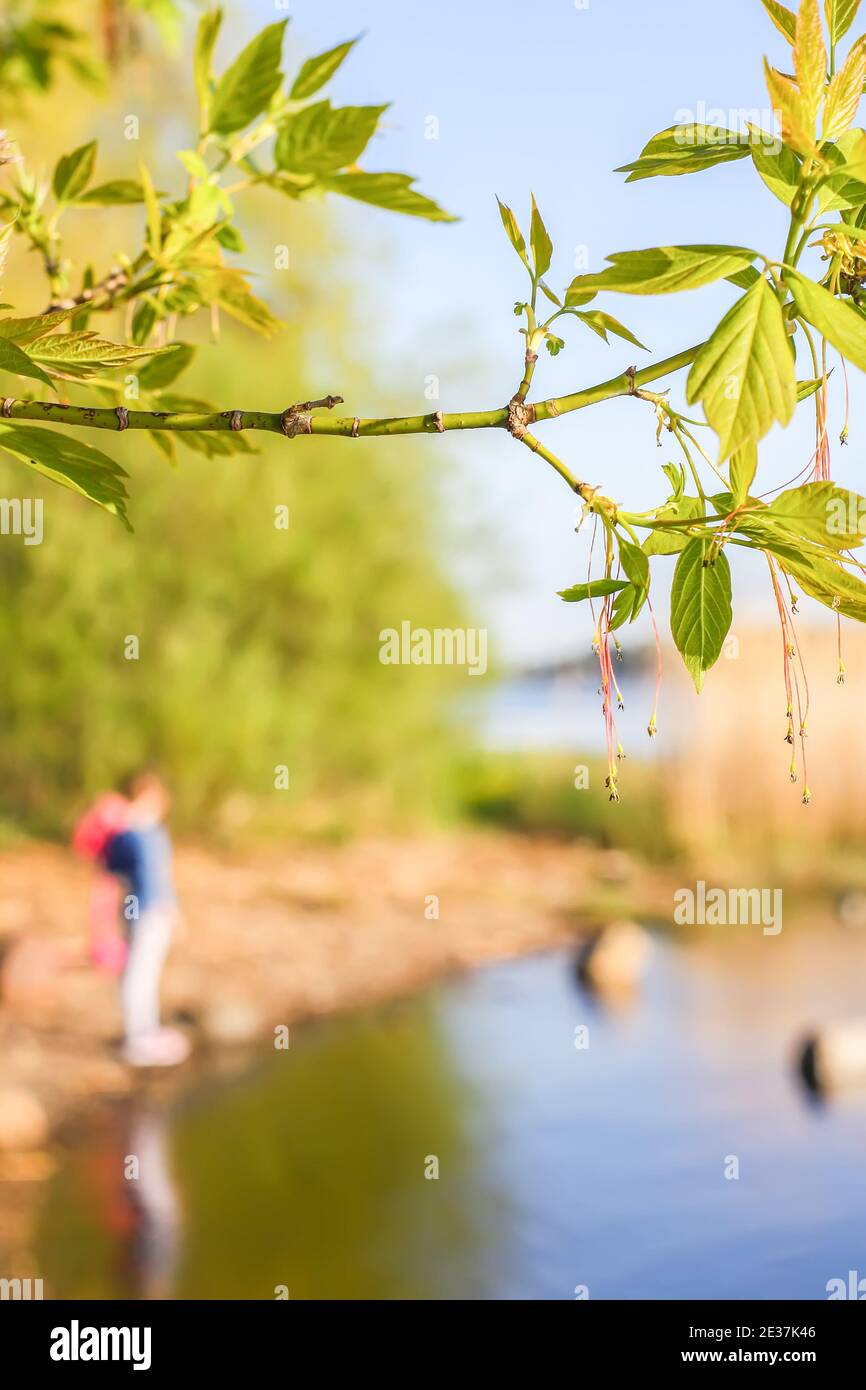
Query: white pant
(149,940)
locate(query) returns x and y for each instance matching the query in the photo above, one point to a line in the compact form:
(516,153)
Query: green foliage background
(258,646)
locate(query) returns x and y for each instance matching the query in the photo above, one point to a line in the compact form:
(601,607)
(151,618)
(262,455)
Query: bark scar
(122,417)
(296,419)
(520,416)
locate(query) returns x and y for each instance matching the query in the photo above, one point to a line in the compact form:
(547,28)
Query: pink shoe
(164,1048)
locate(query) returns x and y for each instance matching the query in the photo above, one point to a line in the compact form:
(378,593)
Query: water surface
(558,1166)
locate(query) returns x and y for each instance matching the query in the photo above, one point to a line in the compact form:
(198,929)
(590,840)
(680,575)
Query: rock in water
(23,1122)
(613,961)
(834,1057)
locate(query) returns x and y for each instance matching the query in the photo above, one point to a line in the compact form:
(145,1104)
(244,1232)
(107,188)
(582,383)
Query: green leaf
(542,246)
(602,324)
(595,588)
(245,90)
(72,172)
(14,359)
(669,541)
(623,610)
(117,191)
(69,462)
(636,566)
(315,72)
(162,370)
(783,18)
(822,513)
(845,186)
(686,149)
(810,58)
(85,354)
(743,467)
(391,191)
(24,330)
(777,165)
(513,232)
(744,375)
(843,97)
(840,16)
(323,138)
(795,115)
(205,41)
(700,607)
(823,579)
(665,269)
(805,389)
(836,321)
(228,288)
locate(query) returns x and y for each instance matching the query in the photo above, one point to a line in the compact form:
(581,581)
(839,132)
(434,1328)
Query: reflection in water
(151,1227)
(559,1166)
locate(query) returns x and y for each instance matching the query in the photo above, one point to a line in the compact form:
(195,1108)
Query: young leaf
(245,90)
(669,541)
(14,359)
(810,58)
(846,89)
(744,375)
(686,149)
(323,138)
(784,19)
(700,607)
(777,165)
(391,191)
(315,72)
(228,288)
(602,324)
(836,321)
(743,467)
(840,16)
(84,354)
(636,566)
(792,111)
(117,191)
(595,588)
(542,246)
(665,269)
(72,172)
(513,232)
(205,41)
(69,462)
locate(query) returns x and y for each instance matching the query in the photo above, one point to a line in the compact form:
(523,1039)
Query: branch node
(355,427)
(438,421)
(6,408)
(296,419)
(520,415)
(629,376)
(122,417)
(237,419)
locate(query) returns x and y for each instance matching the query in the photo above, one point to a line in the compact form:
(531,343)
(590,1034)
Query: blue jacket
(142,859)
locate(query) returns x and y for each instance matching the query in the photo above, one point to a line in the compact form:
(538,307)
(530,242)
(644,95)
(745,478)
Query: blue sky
(547,97)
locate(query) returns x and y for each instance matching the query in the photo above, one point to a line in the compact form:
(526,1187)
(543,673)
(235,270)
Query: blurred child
(135,851)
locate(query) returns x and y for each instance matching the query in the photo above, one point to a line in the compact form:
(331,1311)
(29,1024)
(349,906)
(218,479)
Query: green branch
(299,419)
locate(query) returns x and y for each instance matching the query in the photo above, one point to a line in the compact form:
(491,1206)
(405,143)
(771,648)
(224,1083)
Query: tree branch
(298,420)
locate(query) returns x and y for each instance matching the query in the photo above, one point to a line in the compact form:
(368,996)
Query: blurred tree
(258,643)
